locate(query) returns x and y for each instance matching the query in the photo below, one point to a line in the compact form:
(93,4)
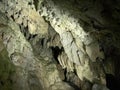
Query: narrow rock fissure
(56,51)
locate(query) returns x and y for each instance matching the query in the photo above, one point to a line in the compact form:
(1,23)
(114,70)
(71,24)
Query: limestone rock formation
(59,44)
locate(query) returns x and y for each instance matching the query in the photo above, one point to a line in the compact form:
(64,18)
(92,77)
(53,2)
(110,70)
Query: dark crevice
(65,72)
(42,41)
(12,17)
(113,83)
(36,4)
(1,82)
(56,51)
(29,3)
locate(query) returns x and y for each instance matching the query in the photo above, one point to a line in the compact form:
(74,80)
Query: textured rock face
(32,72)
(80,47)
(98,87)
(51,41)
(6,69)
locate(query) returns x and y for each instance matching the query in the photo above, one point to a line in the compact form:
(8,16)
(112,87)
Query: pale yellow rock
(65,62)
(84,71)
(37,25)
(93,51)
(32,27)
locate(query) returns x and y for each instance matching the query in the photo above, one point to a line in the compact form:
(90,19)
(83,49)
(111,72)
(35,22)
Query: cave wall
(57,44)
